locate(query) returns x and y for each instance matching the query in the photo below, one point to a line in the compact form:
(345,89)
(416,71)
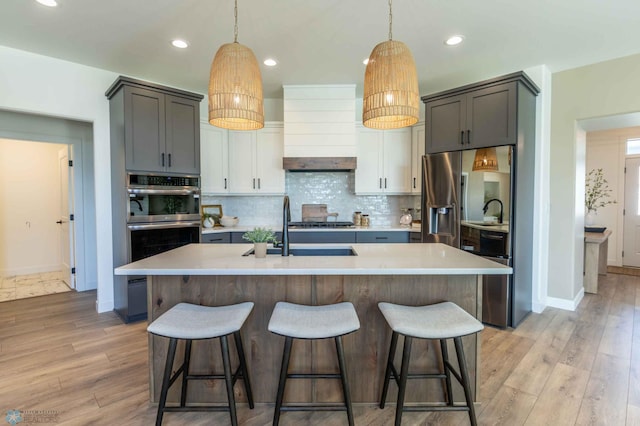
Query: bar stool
(440,321)
(313,322)
(190,322)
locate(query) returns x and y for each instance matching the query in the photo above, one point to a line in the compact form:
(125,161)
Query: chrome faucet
(486,207)
(286,217)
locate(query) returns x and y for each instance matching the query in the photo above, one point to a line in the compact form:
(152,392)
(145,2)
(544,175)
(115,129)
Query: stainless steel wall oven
(163,213)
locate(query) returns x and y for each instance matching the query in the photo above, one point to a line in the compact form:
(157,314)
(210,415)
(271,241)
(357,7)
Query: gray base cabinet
(382,237)
(217,238)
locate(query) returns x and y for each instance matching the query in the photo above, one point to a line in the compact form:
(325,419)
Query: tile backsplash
(335,189)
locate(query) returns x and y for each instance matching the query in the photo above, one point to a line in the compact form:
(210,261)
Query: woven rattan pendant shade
(235,89)
(486,160)
(391,98)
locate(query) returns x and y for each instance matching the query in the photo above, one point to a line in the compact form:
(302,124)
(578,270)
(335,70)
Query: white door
(269,152)
(66,209)
(369,170)
(397,161)
(214,160)
(631,227)
(242,178)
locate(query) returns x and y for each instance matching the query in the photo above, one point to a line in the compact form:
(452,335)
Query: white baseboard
(538,307)
(567,305)
(104,306)
(29,270)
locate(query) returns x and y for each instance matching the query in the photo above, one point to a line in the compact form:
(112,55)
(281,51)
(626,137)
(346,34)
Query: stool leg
(404,373)
(445,360)
(343,378)
(465,379)
(284,368)
(243,368)
(226,362)
(185,372)
(387,374)
(171,354)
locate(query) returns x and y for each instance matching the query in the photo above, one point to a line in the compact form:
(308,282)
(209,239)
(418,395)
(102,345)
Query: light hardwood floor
(58,357)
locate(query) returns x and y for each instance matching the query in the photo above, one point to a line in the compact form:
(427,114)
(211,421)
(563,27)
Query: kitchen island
(411,274)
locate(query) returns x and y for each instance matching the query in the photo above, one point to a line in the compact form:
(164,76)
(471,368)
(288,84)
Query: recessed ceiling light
(453,40)
(180,44)
(366,61)
(270,62)
(50,3)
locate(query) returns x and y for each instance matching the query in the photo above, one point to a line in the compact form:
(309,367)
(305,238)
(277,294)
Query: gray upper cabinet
(475,116)
(159,125)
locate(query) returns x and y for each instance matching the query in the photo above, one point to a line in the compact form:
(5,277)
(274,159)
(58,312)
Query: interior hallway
(24,286)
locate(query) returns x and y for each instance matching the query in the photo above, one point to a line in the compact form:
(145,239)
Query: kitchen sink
(310,251)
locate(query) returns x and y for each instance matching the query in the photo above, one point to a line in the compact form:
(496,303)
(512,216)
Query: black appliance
(163,214)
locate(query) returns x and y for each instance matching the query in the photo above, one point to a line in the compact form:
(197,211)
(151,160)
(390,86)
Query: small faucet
(286,217)
(486,207)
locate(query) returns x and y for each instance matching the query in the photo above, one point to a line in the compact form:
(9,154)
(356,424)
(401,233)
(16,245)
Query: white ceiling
(324,41)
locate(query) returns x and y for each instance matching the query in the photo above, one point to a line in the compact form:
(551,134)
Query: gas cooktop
(328,224)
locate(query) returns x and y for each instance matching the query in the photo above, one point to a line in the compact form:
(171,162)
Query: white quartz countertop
(278,228)
(372,259)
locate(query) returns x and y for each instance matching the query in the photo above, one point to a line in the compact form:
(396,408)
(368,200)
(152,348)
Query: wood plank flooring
(58,358)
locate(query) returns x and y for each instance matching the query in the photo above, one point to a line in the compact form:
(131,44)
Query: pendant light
(391,98)
(486,160)
(235,86)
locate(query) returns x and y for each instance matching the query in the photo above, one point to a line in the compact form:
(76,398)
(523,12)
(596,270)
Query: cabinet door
(269,149)
(491,116)
(182,135)
(396,177)
(242,179)
(214,158)
(417,151)
(369,179)
(446,124)
(144,130)
(382,237)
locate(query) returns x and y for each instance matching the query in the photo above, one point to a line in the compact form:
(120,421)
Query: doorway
(78,136)
(32,262)
(631,223)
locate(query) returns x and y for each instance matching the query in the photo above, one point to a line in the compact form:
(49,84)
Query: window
(633,146)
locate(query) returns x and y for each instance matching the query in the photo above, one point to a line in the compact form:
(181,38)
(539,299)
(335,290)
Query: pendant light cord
(390,20)
(235,26)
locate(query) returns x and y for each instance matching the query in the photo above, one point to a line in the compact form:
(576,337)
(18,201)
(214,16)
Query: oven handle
(163,225)
(196,192)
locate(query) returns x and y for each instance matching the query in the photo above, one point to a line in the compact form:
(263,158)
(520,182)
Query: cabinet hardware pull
(414,183)
(169,159)
(380,184)
(225,183)
(163,159)
(468,136)
(462,137)
(385,183)
(254,183)
(258,183)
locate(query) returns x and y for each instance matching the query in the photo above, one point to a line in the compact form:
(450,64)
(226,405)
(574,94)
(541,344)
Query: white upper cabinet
(384,161)
(214,164)
(255,161)
(417,151)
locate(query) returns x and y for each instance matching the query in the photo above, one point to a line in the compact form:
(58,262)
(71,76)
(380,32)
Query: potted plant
(597,194)
(260,237)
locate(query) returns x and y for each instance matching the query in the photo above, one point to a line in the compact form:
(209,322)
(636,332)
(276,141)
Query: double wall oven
(163,213)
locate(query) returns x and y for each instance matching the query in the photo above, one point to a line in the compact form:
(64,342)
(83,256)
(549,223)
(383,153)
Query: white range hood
(319,127)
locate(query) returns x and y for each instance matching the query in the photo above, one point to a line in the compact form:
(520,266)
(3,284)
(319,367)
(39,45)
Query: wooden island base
(366,350)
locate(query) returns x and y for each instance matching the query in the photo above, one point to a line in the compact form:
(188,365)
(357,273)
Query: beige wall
(597,90)
(29,207)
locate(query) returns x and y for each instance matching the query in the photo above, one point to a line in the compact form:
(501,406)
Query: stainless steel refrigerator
(445,201)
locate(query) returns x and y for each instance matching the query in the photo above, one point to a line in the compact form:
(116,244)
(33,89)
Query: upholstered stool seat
(439,321)
(295,321)
(189,322)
